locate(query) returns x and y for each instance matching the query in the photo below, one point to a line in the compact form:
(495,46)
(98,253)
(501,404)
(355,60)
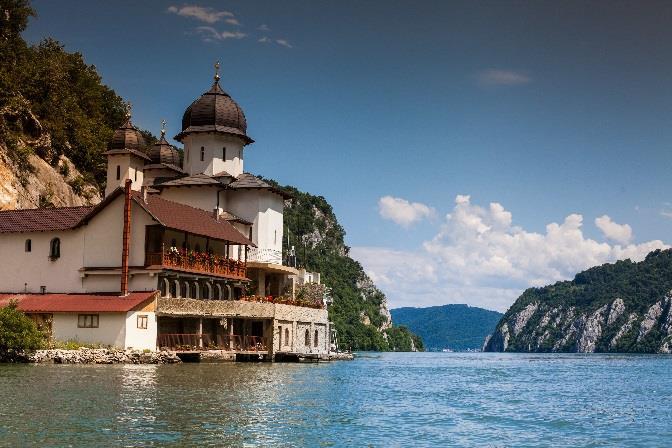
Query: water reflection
(381,400)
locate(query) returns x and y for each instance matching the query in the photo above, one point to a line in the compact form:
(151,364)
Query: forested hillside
(454,327)
(360,309)
(620,307)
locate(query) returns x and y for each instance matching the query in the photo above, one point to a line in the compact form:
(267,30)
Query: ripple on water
(391,399)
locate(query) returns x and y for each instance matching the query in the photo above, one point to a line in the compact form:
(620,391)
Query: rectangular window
(87,321)
(224,153)
(118,172)
(202,153)
(136,175)
(142,321)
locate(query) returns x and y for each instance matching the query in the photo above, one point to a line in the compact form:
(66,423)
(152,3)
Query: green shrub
(18,333)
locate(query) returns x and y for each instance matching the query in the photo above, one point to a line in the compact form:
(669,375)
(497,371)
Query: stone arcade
(184,255)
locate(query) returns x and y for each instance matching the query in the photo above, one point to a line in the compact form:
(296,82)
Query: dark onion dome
(127,139)
(163,152)
(214,111)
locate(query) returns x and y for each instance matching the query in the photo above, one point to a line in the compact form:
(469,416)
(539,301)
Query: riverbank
(101,356)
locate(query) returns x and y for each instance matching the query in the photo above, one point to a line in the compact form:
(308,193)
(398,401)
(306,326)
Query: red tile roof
(190,219)
(78,303)
(168,213)
(41,219)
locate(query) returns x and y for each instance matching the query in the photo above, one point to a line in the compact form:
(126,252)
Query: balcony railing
(202,262)
(261,255)
(201,341)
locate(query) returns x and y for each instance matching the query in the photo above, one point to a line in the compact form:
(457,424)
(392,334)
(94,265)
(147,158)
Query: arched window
(317,338)
(286,336)
(29,245)
(307,341)
(55,249)
(202,153)
(118,172)
(136,175)
(224,153)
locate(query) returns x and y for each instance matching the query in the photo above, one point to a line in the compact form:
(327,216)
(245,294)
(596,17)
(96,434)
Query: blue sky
(549,109)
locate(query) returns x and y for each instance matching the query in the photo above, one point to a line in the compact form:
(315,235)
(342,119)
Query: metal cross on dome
(217,71)
(129,108)
(163,127)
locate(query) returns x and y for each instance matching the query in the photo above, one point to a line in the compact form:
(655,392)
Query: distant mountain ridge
(455,327)
(619,307)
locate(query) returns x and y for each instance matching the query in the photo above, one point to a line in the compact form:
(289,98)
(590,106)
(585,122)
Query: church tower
(214,134)
(125,157)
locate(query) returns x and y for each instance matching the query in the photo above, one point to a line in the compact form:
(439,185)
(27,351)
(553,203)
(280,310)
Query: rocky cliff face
(43,179)
(632,313)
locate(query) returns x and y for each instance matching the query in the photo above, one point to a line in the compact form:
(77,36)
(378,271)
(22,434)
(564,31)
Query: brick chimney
(126,239)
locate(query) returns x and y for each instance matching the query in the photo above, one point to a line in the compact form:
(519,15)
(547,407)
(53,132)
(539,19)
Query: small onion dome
(127,139)
(164,152)
(127,136)
(214,111)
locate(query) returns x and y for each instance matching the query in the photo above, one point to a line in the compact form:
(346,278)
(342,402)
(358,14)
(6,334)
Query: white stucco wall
(264,209)
(111,329)
(214,161)
(128,165)
(203,197)
(103,236)
(21,270)
(138,338)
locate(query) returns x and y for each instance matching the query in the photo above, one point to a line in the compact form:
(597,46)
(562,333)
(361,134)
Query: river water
(391,399)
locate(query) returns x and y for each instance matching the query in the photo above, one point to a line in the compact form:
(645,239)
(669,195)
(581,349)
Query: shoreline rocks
(100,356)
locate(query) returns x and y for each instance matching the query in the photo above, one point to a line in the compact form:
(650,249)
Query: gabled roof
(190,219)
(247,181)
(168,166)
(167,213)
(42,219)
(78,303)
(196,179)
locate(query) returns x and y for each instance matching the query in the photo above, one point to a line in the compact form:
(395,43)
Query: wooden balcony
(197,263)
(201,341)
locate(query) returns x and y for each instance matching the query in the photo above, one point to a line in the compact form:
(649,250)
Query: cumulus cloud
(479,257)
(403,212)
(620,233)
(200,13)
(232,21)
(264,40)
(263,27)
(498,77)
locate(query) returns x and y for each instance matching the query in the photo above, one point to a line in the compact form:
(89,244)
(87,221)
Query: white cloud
(620,233)
(201,13)
(232,21)
(210,34)
(402,211)
(284,43)
(263,27)
(498,77)
(481,258)
(264,40)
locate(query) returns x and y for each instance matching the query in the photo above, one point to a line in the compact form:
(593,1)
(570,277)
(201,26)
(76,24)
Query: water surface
(410,399)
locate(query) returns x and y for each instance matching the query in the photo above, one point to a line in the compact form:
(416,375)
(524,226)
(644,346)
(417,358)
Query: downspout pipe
(126,238)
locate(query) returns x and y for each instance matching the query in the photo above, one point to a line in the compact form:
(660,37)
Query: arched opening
(208,288)
(202,153)
(55,249)
(29,245)
(219,291)
(286,336)
(177,292)
(197,290)
(316,338)
(307,339)
(187,291)
(165,288)
(229,293)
